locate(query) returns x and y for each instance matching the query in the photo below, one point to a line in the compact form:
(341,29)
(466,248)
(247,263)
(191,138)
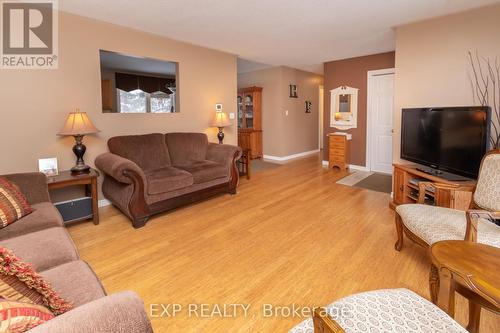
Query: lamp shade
(221,120)
(78,123)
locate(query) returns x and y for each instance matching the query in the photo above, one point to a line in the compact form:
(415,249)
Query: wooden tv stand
(446,193)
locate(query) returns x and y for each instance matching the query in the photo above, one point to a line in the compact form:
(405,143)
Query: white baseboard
(290,157)
(358,167)
(103,203)
(351,166)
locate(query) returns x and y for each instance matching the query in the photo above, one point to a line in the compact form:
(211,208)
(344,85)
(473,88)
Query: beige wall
(35,102)
(298,132)
(431,60)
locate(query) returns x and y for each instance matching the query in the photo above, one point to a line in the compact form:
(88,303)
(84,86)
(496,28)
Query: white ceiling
(297,33)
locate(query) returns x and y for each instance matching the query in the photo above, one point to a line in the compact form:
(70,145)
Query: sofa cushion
(75,282)
(186,147)
(43,249)
(204,171)
(44,216)
(167,179)
(13,204)
(148,151)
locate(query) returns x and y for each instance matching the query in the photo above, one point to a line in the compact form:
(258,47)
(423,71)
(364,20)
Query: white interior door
(381,108)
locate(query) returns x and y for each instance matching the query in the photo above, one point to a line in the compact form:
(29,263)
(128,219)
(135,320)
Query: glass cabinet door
(249,111)
(240,111)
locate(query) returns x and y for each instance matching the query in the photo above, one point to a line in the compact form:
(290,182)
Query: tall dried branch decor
(485,82)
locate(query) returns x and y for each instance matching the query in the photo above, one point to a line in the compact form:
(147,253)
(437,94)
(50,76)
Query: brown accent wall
(353,73)
(35,102)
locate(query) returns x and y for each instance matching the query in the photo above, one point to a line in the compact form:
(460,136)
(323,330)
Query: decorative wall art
(293,91)
(344,107)
(308,106)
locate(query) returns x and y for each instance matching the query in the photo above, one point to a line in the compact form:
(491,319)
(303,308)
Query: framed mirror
(131,84)
(344,107)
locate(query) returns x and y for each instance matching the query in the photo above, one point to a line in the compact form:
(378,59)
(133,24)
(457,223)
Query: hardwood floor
(290,236)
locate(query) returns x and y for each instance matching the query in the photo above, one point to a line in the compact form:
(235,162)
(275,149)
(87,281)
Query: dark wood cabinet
(250,120)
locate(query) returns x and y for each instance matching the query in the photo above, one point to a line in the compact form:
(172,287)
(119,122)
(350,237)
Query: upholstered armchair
(388,310)
(426,225)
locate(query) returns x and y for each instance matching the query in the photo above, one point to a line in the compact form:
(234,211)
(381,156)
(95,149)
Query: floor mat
(376,182)
(355,177)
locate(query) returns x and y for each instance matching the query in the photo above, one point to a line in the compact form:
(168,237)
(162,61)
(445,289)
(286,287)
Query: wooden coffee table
(471,269)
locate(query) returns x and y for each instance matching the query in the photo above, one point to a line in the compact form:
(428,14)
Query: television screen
(449,139)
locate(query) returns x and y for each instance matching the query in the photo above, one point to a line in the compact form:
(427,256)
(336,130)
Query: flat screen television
(451,140)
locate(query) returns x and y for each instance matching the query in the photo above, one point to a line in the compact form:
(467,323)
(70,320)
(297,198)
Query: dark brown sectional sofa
(152,173)
(41,239)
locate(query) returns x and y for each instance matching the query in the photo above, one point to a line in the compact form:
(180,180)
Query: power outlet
(231,115)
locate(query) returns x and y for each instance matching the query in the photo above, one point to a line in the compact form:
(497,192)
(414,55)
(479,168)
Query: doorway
(379,129)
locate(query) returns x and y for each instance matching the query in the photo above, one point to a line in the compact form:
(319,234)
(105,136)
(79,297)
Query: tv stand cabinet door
(455,199)
(399,186)
(442,197)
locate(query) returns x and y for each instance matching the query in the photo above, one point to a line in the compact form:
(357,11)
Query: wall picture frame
(344,107)
(293,91)
(308,106)
(48,166)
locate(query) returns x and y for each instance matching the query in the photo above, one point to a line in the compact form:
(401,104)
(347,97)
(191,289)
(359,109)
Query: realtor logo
(29,34)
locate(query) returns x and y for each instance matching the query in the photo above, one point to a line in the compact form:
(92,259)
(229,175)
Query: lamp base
(80,169)
(220,135)
(79,150)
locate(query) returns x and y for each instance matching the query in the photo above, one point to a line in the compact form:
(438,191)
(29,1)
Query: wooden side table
(244,162)
(470,269)
(89,180)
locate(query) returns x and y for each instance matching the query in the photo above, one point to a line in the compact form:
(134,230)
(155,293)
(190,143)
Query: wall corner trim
(290,157)
(103,203)
(351,166)
(358,167)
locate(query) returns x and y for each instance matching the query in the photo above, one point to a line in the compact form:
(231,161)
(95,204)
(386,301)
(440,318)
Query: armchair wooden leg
(434,283)
(399,232)
(474,317)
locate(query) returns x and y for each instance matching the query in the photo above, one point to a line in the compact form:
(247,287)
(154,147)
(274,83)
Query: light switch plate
(231,115)
(286,113)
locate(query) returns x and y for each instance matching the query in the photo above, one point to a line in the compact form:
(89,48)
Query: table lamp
(221,120)
(77,125)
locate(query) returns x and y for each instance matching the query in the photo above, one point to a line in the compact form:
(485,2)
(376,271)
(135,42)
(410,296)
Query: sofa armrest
(121,169)
(223,154)
(33,185)
(226,155)
(473,216)
(118,313)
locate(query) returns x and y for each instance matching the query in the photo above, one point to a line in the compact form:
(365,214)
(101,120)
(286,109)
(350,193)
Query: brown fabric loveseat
(41,239)
(152,173)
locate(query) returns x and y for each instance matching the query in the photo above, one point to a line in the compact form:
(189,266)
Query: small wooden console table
(444,193)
